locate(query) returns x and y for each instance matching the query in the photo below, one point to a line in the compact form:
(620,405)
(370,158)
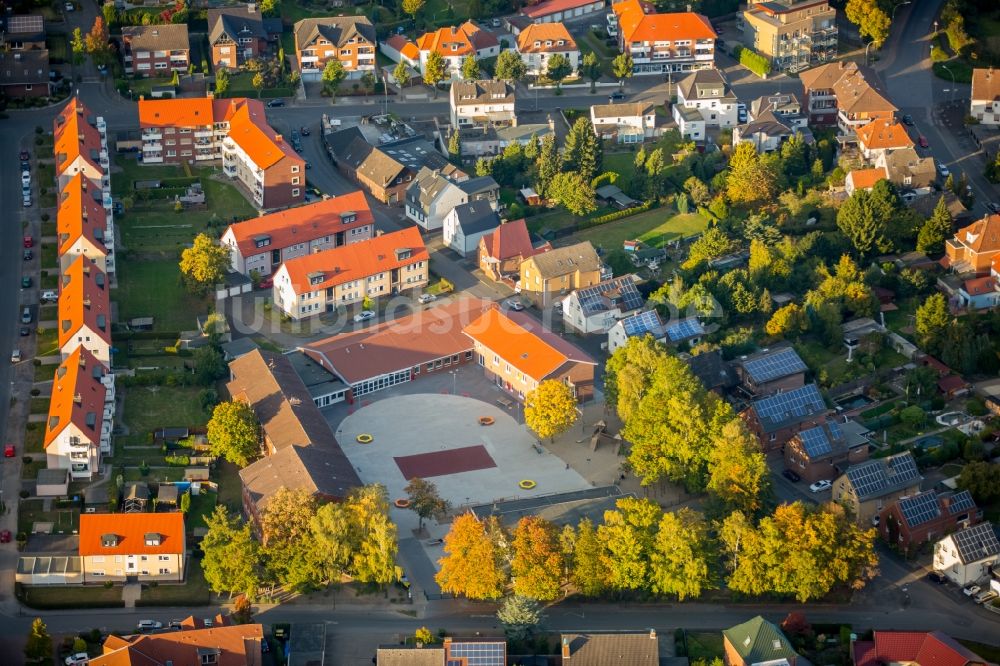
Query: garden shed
(52,483)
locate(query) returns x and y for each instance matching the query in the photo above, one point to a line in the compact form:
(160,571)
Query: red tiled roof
(982,236)
(186,112)
(637,25)
(302,223)
(951,383)
(404,46)
(84,301)
(942,650)
(864,653)
(238,645)
(981,285)
(355,261)
(544,38)
(78,376)
(468,37)
(553,6)
(76,201)
(511,239)
(131,529)
(75,137)
(926,648)
(864,179)
(884,133)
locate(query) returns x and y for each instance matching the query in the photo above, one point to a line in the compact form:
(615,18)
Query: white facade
(987,112)
(948,562)
(431,217)
(566,14)
(690,123)
(455,237)
(717,110)
(92,341)
(270,257)
(607,123)
(76,450)
(538,62)
(464,114)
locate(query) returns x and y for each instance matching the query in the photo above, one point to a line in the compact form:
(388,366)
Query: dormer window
(537,43)
(153,539)
(315,278)
(348,217)
(261,241)
(109,540)
(403,253)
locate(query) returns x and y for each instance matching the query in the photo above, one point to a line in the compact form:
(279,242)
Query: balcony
(204,134)
(152,158)
(150,134)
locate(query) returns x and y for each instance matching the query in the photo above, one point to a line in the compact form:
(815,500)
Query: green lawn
(704,645)
(63,520)
(655,227)
(202,505)
(34,437)
(68,597)
(49,256)
(621,163)
(227,475)
(45,373)
(166,407)
(151,288)
(39,406)
(47,342)
(29,470)
(194,591)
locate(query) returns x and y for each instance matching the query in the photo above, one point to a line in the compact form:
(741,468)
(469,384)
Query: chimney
(77,398)
(278,138)
(652,634)
(565,649)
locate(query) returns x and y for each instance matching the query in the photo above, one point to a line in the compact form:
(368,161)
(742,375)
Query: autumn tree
(750,178)
(39,645)
(550,409)
(982,479)
(588,573)
(333,75)
(573,191)
(204,264)
(872,20)
(412,7)
(79,46)
(582,150)
(425,501)
(538,560)
(286,535)
(509,67)
(221,81)
(233,432)
(356,537)
(401,74)
(435,70)
(232,556)
(470,68)
(936,230)
(737,469)
(97,38)
(712,244)
(472,563)
(697,190)
(932,319)
(682,558)
(622,67)
(455,147)
(558,69)
(787,321)
(258,82)
(627,535)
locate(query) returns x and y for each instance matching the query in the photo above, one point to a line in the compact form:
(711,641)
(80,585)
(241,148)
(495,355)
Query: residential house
(236,34)
(552,274)
(792,34)
(637,325)
(175,131)
(23,32)
(771,371)
(664,43)
(482,103)
(141,547)
(984,104)
(758,642)
(490,139)
(427,342)
(785,107)
(910,522)
(596,309)
(912,174)
(632,122)
(975,247)
(263,243)
(881,136)
(484,651)
(599,648)
(382,266)
(967,556)
(767,132)
(866,488)
(85,311)
(81,145)
(455,44)
(501,253)
(432,195)
(922,648)
(777,418)
(156,50)
(398,48)
(863,179)
(517,353)
(83,225)
(81,415)
(981,293)
(713,372)
(466,224)
(24,57)
(708,92)
(844,94)
(218,644)
(552,11)
(539,42)
(684,331)
(349,39)
(823,453)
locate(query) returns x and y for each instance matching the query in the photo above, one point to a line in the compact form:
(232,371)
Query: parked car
(943,170)
(304,131)
(937,577)
(741,112)
(25,282)
(908,120)
(922,142)
(993,207)
(266,283)
(971,590)
(26,316)
(24,331)
(119,208)
(80,658)
(427,298)
(8,451)
(70,7)
(28,241)
(26,201)
(984,596)
(513,304)
(27,255)
(4,536)
(616,96)
(26,179)
(24,155)
(820,486)
(790,475)
(275,103)
(364,315)
(49,296)
(15,356)
(148,625)
(495,23)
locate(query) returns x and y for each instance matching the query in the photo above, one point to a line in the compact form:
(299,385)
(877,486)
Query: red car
(8,451)
(923,142)
(29,241)
(4,536)
(266,283)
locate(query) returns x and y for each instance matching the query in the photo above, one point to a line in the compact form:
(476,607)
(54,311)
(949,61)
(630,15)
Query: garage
(46,570)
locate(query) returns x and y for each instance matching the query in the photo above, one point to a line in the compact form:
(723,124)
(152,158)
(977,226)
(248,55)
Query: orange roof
(638,26)
(75,137)
(131,530)
(80,214)
(185,112)
(301,224)
(404,46)
(238,645)
(510,240)
(83,301)
(981,285)
(355,261)
(982,236)
(443,39)
(522,342)
(883,133)
(553,6)
(864,179)
(78,376)
(543,37)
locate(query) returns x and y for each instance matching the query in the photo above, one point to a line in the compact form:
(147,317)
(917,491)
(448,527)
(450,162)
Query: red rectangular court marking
(439,463)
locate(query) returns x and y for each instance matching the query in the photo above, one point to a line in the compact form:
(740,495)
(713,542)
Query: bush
(938,54)
(976,407)
(753,61)
(617,215)
(178,461)
(606,178)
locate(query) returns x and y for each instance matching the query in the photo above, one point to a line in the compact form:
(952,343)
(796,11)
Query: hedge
(609,177)
(617,215)
(173,602)
(752,60)
(178,461)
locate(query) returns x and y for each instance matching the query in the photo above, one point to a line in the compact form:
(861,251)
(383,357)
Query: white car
(364,315)
(49,296)
(427,298)
(70,7)
(26,201)
(78,659)
(820,486)
(15,356)
(943,170)
(25,179)
(148,625)
(972,590)
(514,305)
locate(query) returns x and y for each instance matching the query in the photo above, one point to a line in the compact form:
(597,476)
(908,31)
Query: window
(163,571)
(96,574)
(295,192)
(295,180)
(164,558)
(295,168)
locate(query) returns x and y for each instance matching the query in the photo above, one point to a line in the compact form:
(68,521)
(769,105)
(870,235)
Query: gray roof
(564,260)
(768,124)
(50,476)
(386,162)
(711,369)
(321,470)
(235,22)
(96,494)
(784,409)
(166,492)
(481,92)
(238,347)
(624,648)
(426,187)
(522,133)
(780,103)
(976,543)
(164,37)
(706,84)
(904,163)
(410,656)
(337,29)
(766,366)
(479,185)
(24,67)
(476,217)
(613,192)
(883,476)
(623,110)
(349,146)
(759,641)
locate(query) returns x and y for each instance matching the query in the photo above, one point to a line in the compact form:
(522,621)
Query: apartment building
(84,226)
(144,547)
(549,11)
(85,311)
(557,272)
(455,44)
(349,39)
(263,243)
(385,265)
(476,103)
(236,34)
(24,57)
(270,173)
(974,248)
(844,94)
(539,42)
(156,50)
(81,415)
(792,34)
(984,104)
(81,145)
(664,43)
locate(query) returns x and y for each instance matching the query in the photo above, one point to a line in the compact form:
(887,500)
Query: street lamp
(953,83)
(454,380)
(893,15)
(866,51)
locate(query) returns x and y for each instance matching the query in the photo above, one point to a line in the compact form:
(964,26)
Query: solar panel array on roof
(25,24)
(919,509)
(815,442)
(684,329)
(961,502)
(642,323)
(878,477)
(976,542)
(595,299)
(796,404)
(774,365)
(477,654)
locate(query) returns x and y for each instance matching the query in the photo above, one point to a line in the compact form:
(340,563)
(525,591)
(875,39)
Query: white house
(550,11)
(766,132)
(539,42)
(633,122)
(84,311)
(398,48)
(635,325)
(432,195)
(596,309)
(708,92)
(80,145)
(690,123)
(481,102)
(455,44)
(985,103)
(467,223)
(966,556)
(663,43)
